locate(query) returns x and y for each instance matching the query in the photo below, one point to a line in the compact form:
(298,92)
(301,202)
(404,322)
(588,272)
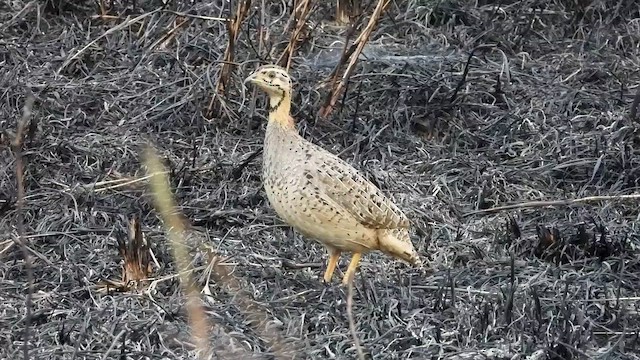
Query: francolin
(320,195)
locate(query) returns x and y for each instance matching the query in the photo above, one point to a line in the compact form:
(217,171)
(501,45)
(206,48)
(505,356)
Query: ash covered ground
(455,107)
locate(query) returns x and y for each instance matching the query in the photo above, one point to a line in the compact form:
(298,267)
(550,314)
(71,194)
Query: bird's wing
(343,184)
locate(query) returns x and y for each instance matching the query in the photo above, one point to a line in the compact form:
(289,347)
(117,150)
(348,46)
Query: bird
(320,195)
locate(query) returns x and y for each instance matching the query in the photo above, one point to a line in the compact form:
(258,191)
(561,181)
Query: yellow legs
(351,270)
(334,255)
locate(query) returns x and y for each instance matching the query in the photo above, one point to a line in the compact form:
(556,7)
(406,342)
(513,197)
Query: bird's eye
(271,75)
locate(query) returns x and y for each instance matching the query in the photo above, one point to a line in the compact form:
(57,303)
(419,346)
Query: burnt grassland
(455,107)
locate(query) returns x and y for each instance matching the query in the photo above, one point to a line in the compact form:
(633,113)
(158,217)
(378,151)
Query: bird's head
(272,79)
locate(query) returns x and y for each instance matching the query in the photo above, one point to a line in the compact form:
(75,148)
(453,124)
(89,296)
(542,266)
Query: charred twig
(264,29)
(233,30)
(261,43)
(508,311)
(17,145)
(359,44)
(21,14)
(465,72)
(534,204)
(288,264)
(235,173)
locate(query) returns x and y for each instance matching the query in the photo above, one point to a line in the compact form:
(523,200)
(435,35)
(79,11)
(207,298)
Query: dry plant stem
(291,23)
(7,245)
(17,144)
(113,344)
(194,16)
(264,30)
(233,28)
(136,255)
(352,323)
(361,41)
(299,17)
(261,40)
(347,50)
(103,8)
(533,204)
(175,229)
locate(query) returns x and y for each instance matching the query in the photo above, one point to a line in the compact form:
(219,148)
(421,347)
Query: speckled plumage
(319,194)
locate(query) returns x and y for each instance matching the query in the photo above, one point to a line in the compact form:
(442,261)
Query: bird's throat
(279,111)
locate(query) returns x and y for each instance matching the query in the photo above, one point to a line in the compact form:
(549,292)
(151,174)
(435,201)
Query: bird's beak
(250,78)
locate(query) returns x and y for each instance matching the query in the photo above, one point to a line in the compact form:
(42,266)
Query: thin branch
(175,229)
(17,145)
(465,72)
(534,204)
(352,323)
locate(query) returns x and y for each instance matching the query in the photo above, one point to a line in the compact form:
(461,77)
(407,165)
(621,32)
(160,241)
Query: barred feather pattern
(326,199)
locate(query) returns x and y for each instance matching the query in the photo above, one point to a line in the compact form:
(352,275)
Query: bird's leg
(353,265)
(334,256)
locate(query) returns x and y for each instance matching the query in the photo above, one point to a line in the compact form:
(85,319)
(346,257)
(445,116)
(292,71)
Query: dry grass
(451,108)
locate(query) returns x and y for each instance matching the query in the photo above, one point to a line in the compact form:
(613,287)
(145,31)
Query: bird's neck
(279,111)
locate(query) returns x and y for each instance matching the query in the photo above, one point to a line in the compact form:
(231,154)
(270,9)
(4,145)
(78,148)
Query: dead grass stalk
(359,44)
(298,21)
(17,145)
(175,229)
(233,30)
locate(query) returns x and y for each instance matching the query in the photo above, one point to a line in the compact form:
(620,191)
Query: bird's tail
(397,243)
